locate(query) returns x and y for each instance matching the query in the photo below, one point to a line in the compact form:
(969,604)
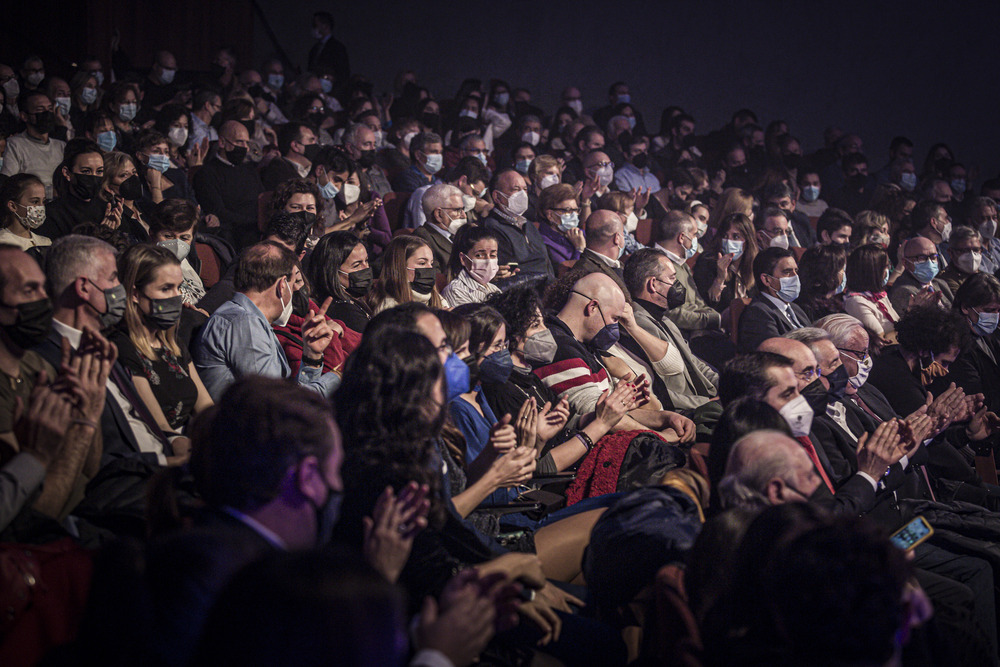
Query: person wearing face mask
(559,215)
(328,53)
(34,151)
(625,204)
(772,312)
(238,340)
(408,274)
(636,173)
(931,220)
(618,94)
(22,199)
(122,185)
(605,238)
(338,268)
(298,148)
(228,186)
(172,226)
(470,177)
(920,282)
(162,371)
(161,177)
(121,103)
(519,242)
(810,189)
(79,182)
(473,264)
(965,252)
(205,105)
(823,274)
(724,270)
(174,122)
(84,99)
(773,229)
(865,296)
(426,160)
(977,368)
(160,86)
(362,144)
(856,193)
(982,216)
(444,213)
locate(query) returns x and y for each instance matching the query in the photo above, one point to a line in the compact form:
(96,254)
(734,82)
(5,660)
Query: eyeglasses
(566,210)
(860,356)
(923,258)
(810,374)
(600,165)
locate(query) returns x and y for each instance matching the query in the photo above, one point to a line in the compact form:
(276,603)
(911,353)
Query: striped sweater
(575,372)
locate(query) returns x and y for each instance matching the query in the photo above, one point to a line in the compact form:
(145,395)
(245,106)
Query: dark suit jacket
(976,369)
(761,320)
(331,57)
(440,246)
(803,229)
(589,262)
(277,172)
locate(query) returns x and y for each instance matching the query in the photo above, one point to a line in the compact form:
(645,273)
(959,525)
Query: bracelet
(84,422)
(586,439)
(313,363)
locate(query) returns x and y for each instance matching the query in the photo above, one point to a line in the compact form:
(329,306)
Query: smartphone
(511,265)
(912,534)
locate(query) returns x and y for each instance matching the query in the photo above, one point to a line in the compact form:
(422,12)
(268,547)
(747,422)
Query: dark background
(926,70)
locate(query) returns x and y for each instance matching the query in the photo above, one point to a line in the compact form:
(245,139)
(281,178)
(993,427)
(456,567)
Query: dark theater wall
(926,70)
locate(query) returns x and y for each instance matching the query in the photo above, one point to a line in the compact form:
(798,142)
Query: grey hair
(840,326)
(351,133)
(963,233)
(746,478)
(734,493)
(808,335)
(71,257)
(436,197)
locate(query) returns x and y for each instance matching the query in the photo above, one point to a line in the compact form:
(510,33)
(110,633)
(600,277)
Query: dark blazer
(589,262)
(331,57)
(440,246)
(277,172)
(803,229)
(761,320)
(977,369)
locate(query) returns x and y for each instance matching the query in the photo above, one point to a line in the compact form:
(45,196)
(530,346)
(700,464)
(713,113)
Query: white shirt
(786,310)
(613,263)
(257,527)
(9,237)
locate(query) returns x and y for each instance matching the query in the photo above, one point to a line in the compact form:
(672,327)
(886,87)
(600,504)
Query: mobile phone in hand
(912,534)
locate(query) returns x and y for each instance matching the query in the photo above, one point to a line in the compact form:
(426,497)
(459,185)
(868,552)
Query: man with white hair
(767,468)
(445,215)
(361,144)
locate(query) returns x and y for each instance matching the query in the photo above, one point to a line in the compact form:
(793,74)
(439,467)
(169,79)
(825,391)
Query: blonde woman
(122,185)
(408,274)
(164,375)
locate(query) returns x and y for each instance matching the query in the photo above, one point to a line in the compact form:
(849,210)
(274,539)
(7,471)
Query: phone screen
(911,534)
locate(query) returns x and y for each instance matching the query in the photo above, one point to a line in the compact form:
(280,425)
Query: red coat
(290,337)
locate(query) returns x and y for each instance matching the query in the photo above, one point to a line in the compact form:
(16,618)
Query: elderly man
(605,236)
(228,186)
(518,241)
(426,160)
(586,327)
(361,143)
(34,151)
(965,252)
(159,87)
(930,220)
(445,215)
(473,145)
(469,176)
(238,339)
(767,468)
(772,312)
(919,282)
(677,237)
(652,283)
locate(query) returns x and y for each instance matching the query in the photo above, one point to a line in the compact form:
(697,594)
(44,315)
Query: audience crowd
(297,374)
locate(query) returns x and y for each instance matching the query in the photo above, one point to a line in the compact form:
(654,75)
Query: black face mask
(359,282)
(216,70)
(85,186)
(300,303)
(838,382)
(430,119)
(251,126)
(34,319)
(308,218)
(857,181)
(237,155)
(816,396)
(424,279)
(45,122)
(792,160)
(131,188)
(367,159)
(640,161)
(164,313)
(311,151)
(676,296)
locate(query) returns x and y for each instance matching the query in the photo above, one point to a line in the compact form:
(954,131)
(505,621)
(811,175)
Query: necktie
(814,457)
(791,317)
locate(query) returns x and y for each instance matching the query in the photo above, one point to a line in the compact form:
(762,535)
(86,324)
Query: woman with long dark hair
(724,271)
(338,268)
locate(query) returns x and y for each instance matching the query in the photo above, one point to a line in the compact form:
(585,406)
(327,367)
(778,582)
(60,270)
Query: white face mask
(531,137)
(483,270)
(517,203)
(779,241)
(468,202)
(988,229)
(33,218)
(549,180)
(407,138)
(970,261)
(799,415)
(351,193)
(631,222)
(178,136)
(946,232)
(863,370)
(604,176)
(455,225)
(179,248)
(575,105)
(286,309)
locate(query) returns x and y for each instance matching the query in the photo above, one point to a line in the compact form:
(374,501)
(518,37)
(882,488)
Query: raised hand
(880,449)
(503,436)
(551,420)
(389,532)
(316,332)
(614,405)
(462,625)
(527,424)
(41,427)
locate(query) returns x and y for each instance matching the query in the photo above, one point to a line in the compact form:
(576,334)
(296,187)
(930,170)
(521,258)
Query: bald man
(228,186)
(518,241)
(767,468)
(804,363)
(586,327)
(920,279)
(605,235)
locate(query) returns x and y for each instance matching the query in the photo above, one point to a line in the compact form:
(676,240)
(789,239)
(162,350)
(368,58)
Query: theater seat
(644,231)
(798,253)
(263,204)
(736,307)
(440,281)
(563,267)
(211,269)
(394,204)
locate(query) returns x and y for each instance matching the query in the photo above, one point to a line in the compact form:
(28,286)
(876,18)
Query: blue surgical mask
(456,376)
(107,140)
(789,289)
(624,98)
(159,162)
(522,165)
(986,324)
(433,163)
(329,191)
(693,250)
(631,122)
(810,193)
(925,271)
(502,98)
(276,81)
(843,284)
(326,86)
(568,221)
(88,95)
(908,180)
(958,185)
(731,247)
(496,368)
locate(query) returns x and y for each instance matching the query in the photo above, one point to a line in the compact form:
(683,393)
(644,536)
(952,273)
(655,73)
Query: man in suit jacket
(328,56)
(678,238)
(445,215)
(295,142)
(605,236)
(772,313)
(922,262)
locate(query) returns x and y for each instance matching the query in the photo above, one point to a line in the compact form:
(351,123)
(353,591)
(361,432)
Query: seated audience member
(471,177)
(162,371)
(981,214)
(930,220)
(227,186)
(88,296)
(338,268)
(587,325)
(773,229)
(161,178)
(965,252)
(545,171)
(635,173)
(34,151)
(732,200)
(174,122)
(559,216)
(78,182)
(856,192)
(605,237)
(473,264)
(810,189)
(121,102)
(22,199)
(426,160)
(865,297)
(444,213)
(724,269)
(976,369)
(238,339)
(766,468)
(301,199)
(678,238)
(298,147)
(624,204)
(782,195)
(121,186)
(518,240)
(772,312)
(598,171)
(290,335)
(919,283)
(361,141)
(823,276)
(408,274)
(690,383)
(834,227)
(50,443)
(349,204)
(870,227)
(172,226)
